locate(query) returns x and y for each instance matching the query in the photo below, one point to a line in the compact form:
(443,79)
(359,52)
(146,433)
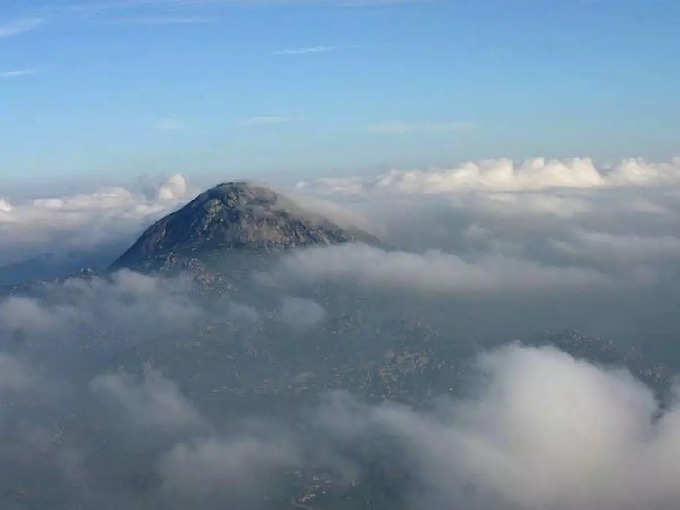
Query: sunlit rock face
(232,216)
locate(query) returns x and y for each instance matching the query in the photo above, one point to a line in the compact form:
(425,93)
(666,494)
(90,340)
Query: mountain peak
(233,216)
(240,193)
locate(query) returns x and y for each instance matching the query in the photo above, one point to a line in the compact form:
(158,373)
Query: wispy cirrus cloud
(116,4)
(89,6)
(169,124)
(399,127)
(19,26)
(266,120)
(16,73)
(378,3)
(168,20)
(309,50)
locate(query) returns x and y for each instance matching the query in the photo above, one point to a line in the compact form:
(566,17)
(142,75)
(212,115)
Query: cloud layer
(545,431)
(506,175)
(139,391)
(433,271)
(82,222)
(532,428)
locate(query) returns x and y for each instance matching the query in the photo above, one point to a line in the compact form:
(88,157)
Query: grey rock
(232,216)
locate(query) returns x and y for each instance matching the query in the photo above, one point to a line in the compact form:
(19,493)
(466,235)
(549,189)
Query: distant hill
(232,216)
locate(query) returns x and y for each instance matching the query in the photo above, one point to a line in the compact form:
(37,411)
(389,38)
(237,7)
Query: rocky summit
(232,216)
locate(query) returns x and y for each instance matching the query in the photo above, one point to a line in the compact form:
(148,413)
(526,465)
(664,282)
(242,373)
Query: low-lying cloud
(545,431)
(432,271)
(154,400)
(506,175)
(128,390)
(112,366)
(82,223)
(216,470)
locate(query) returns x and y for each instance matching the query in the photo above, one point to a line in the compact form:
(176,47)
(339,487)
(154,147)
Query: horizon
(110,91)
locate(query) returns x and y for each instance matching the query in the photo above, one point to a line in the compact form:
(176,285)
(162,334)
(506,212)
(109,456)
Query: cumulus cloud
(225,470)
(82,222)
(545,431)
(536,428)
(130,304)
(500,174)
(300,312)
(173,189)
(638,171)
(18,313)
(229,415)
(506,175)
(241,312)
(536,204)
(621,248)
(618,221)
(341,214)
(14,375)
(432,271)
(154,400)
(332,185)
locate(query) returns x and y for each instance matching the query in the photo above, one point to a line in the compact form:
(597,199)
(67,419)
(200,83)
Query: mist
(510,342)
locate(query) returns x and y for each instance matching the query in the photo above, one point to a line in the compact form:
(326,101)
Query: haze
(339,254)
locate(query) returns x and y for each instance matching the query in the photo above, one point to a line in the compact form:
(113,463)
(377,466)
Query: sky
(518,162)
(106,91)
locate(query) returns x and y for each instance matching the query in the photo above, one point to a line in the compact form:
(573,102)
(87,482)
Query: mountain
(233,216)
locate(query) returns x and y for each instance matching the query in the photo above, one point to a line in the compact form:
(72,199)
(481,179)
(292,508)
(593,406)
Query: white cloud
(306,51)
(340,215)
(19,313)
(639,172)
(334,185)
(238,312)
(227,468)
(301,313)
(173,189)
(17,73)
(530,203)
(169,20)
(19,26)
(496,175)
(648,206)
(505,175)
(632,248)
(154,400)
(134,303)
(14,375)
(82,221)
(432,271)
(544,431)
(106,198)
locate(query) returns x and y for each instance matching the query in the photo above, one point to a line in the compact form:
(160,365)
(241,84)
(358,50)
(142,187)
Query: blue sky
(112,89)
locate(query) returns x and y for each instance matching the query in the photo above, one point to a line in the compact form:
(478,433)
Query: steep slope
(232,216)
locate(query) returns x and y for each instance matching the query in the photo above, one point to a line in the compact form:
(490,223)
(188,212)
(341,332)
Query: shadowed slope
(233,216)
